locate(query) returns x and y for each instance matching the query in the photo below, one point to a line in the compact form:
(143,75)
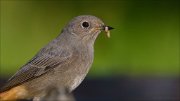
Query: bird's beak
(107,30)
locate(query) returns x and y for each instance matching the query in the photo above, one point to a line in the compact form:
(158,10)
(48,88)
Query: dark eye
(85,24)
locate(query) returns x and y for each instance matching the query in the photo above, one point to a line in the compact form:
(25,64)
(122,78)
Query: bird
(63,62)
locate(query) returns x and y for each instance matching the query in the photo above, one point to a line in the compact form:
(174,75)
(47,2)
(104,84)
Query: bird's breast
(81,67)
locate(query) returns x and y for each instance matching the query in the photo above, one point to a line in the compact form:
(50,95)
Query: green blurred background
(145,40)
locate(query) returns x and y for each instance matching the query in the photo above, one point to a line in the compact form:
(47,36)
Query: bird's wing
(38,66)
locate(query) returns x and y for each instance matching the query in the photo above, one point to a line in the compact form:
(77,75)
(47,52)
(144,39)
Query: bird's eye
(85,24)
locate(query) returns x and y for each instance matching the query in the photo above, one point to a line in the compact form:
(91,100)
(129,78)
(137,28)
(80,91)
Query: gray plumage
(65,61)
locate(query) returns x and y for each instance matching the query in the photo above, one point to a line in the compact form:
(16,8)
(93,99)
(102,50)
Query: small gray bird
(64,62)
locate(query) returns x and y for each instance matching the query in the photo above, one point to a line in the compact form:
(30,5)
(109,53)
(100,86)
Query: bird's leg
(36,99)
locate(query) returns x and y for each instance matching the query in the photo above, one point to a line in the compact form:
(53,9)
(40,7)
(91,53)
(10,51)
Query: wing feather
(39,65)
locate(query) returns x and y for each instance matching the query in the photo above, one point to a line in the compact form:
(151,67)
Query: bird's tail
(18,92)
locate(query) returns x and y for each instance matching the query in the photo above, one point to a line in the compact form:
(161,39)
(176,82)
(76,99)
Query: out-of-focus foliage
(145,39)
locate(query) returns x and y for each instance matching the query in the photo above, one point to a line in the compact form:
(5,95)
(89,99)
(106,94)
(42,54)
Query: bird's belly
(70,79)
(74,75)
(76,82)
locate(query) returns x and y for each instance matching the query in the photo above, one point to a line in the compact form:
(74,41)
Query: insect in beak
(107,30)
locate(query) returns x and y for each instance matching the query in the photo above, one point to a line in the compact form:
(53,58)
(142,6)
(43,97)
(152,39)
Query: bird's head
(87,27)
